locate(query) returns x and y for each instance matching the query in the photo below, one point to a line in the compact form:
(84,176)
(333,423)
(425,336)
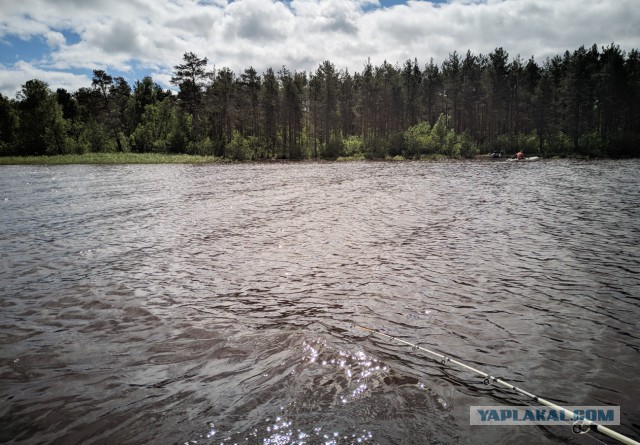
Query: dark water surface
(215,304)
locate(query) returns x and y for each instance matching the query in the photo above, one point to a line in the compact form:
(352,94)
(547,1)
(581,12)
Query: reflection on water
(214,304)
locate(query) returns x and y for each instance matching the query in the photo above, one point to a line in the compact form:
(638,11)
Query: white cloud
(154,34)
(12,78)
(117,37)
(55,39)
(196,22)
(259,21)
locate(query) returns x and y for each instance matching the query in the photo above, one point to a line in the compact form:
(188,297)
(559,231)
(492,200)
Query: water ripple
(214,304)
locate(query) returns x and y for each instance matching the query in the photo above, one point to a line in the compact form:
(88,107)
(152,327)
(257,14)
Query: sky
(63,41)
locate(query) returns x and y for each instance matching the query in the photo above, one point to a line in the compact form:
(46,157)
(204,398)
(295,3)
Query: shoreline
(120,158)
(129,158)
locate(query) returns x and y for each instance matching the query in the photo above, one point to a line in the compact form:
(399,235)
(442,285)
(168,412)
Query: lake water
(216,304)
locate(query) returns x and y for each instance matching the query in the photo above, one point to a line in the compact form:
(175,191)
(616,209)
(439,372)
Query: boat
(531,159)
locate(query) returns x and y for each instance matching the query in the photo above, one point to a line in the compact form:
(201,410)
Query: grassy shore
(110,158)
(163,158)
(155,158)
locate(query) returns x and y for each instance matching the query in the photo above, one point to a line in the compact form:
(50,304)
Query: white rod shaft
(600,428)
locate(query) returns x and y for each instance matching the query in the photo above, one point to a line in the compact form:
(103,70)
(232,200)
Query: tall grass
(110,158)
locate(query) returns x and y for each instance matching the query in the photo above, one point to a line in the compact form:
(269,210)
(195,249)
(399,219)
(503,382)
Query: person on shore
(520,155)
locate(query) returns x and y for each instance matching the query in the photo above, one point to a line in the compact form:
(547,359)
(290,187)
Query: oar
(577,428)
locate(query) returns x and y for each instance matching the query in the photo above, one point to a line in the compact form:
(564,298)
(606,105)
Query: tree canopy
(585,102)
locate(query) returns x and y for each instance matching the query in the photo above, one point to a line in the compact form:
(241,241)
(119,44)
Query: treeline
(586,102)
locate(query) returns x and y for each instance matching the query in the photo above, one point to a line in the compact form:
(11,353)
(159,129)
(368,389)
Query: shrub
(624,144)
(202,147)
(590,144)
(558,144)
(530,143)
(467,148)
(334,148)
(353,146)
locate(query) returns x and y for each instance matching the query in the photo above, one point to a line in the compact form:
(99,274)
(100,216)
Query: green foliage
(201,147)
(77,140)
(182,133)
(530,143)
(110,158)
(395,144)
(591,144)
(417,140)
(558,144)
(159,130)
(191,77)
(421,139)
(375,149)
(353,146)
(97,138)
(624,144)
(582,103)
(509,144)
(68,103)
(434,157)
(504,143)
(451,147)
(358,157)
(439,134)
(334,148)
(56,141)
(236,147)
(145,92)
(242,148)
(9,126)
(466,146)
(42,128)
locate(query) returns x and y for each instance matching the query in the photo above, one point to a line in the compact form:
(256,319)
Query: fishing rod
(581,426)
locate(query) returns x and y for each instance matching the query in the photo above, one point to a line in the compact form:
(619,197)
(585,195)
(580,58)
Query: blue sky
(62,41)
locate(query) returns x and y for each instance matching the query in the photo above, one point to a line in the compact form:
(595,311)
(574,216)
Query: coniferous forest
(584,103)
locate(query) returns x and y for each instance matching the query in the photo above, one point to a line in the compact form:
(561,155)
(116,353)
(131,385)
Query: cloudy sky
(62,41)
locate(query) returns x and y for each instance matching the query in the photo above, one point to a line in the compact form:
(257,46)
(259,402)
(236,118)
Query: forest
(581,103)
